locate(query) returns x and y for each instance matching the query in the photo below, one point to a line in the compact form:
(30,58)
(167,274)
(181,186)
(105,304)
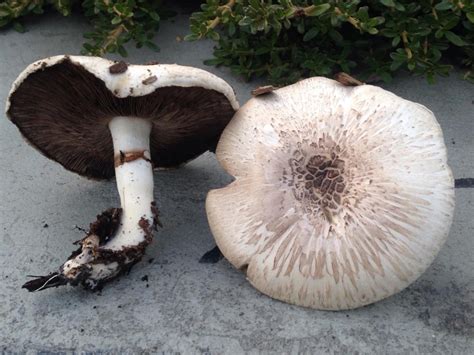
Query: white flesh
(134,180)
(135,187)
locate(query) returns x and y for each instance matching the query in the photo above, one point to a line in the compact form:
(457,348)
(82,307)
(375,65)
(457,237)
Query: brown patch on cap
(347,80)
(64,112)
(150,80)
(262,90)
(118,68)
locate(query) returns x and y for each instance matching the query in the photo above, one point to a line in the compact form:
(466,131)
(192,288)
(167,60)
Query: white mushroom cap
(342,196)
(130,82)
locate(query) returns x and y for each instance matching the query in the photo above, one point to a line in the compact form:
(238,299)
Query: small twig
(405,44)
(262,90)
(222,9)
(111,38)
(353,21)
(347,80)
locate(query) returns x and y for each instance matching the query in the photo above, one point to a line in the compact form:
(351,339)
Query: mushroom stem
(134,175)
(117,240)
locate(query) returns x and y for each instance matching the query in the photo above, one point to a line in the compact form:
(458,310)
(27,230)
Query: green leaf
(373,30)
(18,27)
(231,29)
(152,46)
(399,7)
(317,10)
(122,51)
(88,47)
(213,62)
(213,35)
(191,37)
(245,21)
(395,65)
(154,16)
(308,36)
(116,20)
(389,3)
(444,5)
(455,39)
(336,36)
(386,77)
(470,16)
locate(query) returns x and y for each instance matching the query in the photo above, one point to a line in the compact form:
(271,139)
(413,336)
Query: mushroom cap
(63,104)
(342,195)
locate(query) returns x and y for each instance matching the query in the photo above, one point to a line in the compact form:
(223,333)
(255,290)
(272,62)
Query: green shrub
(115,22)
(285,40)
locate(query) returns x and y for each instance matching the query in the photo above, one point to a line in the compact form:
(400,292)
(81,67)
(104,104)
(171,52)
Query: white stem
(134,180)
(135,185)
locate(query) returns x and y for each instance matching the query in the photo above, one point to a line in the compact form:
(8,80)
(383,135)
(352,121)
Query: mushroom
(98,119)
(342,195)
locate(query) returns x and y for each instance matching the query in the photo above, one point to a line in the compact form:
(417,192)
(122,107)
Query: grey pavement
(185,306)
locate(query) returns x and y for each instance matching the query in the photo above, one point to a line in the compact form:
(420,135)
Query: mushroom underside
(102,119)
(186,121)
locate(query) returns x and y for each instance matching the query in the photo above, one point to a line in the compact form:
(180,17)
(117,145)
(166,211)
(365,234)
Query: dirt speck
(118,68)
(262,90)
(347,80)
(150,80)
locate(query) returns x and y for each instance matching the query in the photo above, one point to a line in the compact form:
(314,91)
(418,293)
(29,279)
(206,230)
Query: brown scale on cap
(118,68)
(262,90)
(347,80)
(64,112)
(150,80)
(317,181)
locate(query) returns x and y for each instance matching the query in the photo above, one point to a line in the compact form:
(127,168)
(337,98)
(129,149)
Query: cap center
(317,181)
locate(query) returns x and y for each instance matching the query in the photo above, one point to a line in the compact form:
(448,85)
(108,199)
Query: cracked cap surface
(342,196)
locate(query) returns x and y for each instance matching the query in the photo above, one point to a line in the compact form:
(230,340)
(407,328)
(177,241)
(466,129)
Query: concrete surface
(191,307)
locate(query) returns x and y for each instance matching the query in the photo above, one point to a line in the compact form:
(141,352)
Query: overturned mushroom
(98,118)
(342,195)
